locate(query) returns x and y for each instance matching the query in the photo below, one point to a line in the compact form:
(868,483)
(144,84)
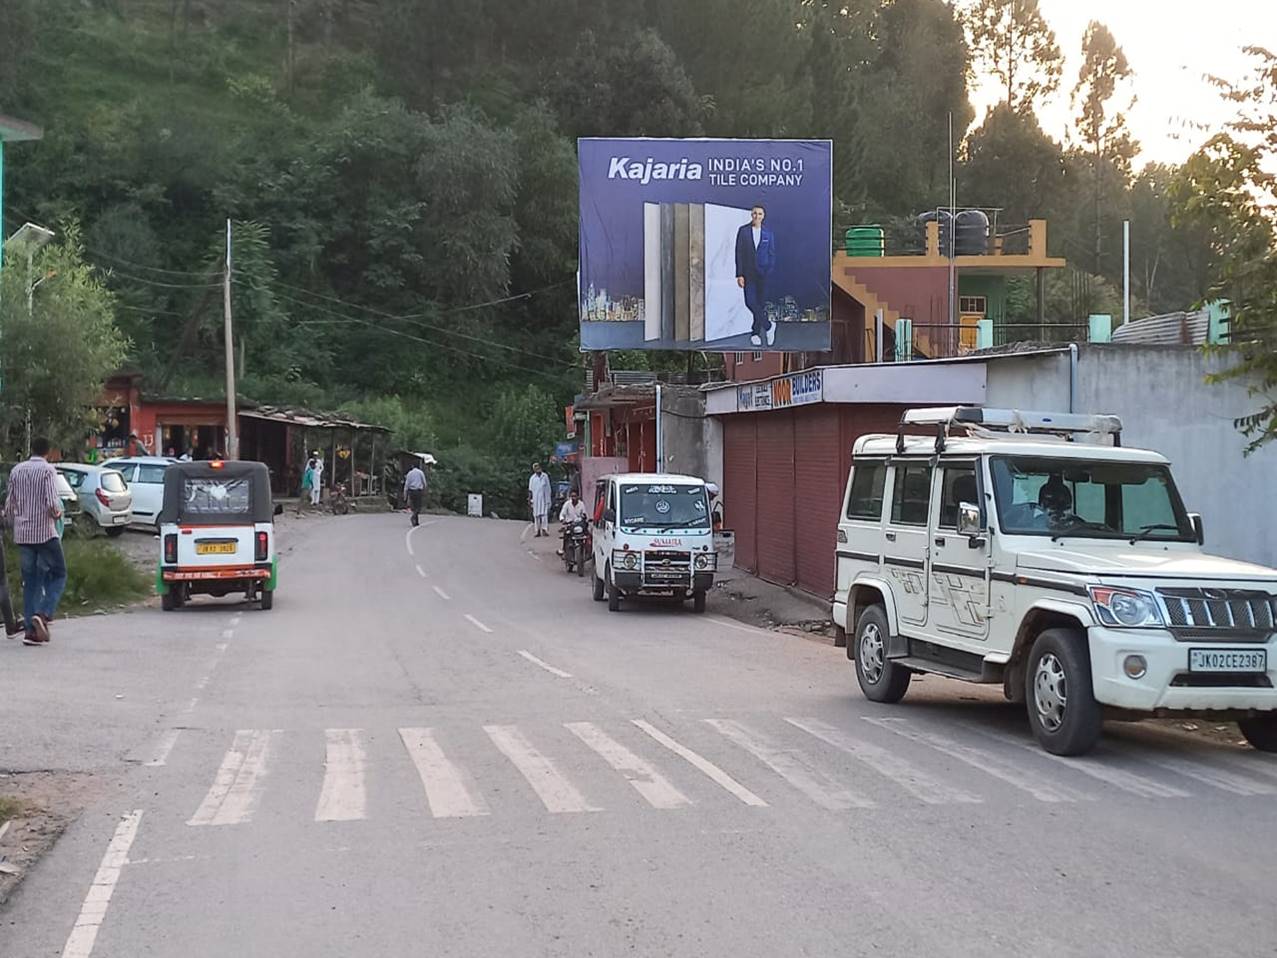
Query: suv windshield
(656,505)
(1086,499)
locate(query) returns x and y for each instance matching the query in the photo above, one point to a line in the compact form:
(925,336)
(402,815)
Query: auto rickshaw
(217,533)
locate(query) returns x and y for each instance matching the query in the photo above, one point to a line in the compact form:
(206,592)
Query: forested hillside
(401,173)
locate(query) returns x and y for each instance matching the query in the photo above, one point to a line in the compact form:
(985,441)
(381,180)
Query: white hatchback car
(103,494)
(145,477)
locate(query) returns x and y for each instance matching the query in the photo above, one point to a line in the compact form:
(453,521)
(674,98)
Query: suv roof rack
(1005,423)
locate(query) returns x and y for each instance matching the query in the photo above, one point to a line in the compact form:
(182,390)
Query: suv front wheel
(1065,717)
(880,679)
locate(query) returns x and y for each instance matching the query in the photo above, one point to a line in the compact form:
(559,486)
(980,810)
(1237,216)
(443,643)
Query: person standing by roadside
(317,479)
(32,511)
(539,500)
(414,490)
(308,482)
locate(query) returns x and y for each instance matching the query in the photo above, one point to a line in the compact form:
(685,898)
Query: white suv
(1033,551)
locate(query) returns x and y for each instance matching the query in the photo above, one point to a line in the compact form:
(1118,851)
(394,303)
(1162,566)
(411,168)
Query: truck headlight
(706,561)
(1125,608)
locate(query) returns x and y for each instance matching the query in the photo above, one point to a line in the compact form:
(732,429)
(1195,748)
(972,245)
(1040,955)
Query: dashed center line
(163,747)
(545,665)
(477,624)
(441,593)
(422,572)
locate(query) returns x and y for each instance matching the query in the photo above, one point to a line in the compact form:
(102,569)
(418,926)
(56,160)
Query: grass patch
(11,808)
(98,577)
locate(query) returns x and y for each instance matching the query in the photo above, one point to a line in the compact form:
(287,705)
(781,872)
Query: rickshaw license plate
(225,547)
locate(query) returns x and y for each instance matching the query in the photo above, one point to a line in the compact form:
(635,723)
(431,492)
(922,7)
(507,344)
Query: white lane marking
(441,593)
(202,683)
(190,706)
(557,794)
(703,765)
(5,828)
(477,624)
(163,747)
(81,940)
(237,788)
(221,646)
(421,572)
(228,633)
(449,790)
(728,624)
(793,766)
(534,555)
(523,536)
(985,761)
(408,539)
(647,781)
(887,764)
(343,797)
(1117,777)
(1215,777)
(545,665)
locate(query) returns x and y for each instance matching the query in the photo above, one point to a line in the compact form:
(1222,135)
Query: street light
(29,239)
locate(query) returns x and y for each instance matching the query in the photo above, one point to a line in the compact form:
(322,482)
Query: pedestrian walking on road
(32,511)
(414,490)
(539,499)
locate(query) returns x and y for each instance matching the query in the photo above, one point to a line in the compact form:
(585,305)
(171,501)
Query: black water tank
(936,216)
(973,233)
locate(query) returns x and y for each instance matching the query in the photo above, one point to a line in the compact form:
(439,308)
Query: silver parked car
(103,495)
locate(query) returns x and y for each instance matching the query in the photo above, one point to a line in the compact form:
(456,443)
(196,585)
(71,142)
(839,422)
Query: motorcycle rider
(572,511)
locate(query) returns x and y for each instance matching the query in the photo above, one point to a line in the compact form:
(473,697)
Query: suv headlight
(1125,608)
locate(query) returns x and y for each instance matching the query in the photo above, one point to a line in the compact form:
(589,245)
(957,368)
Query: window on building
(867,483)
(911,495)
(757,357)
(740,357)
(973,304)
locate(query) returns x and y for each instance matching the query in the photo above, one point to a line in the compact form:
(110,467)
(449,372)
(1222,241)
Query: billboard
(705,244)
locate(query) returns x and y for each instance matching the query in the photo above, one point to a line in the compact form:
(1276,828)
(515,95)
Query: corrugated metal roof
(1180,328)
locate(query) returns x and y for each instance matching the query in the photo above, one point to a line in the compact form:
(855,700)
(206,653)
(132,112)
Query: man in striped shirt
(31,511)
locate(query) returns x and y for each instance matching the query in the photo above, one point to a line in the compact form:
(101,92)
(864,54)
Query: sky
(1171,45)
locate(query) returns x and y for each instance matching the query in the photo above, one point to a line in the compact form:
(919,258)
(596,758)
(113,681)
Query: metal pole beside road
(232,423)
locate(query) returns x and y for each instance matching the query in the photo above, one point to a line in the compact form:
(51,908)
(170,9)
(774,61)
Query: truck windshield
(1091,500)
(661,506)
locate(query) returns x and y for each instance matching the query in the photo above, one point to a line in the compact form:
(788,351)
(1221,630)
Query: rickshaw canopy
(217,493)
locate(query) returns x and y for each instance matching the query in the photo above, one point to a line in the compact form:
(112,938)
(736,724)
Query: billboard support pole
(878,335)
(660,433)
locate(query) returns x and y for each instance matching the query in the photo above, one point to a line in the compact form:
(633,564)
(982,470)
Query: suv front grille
(1237,612)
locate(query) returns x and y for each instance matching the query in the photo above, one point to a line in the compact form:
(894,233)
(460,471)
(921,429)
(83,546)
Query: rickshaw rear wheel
(268,599)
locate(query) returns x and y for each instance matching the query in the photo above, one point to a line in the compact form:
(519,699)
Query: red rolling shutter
(819,481)
(776,497)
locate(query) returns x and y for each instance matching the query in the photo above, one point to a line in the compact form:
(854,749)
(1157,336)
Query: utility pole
(953,230)
(1126,272)
(232,423)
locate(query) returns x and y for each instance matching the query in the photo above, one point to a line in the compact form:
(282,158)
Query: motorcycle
(576,546)
(338,500)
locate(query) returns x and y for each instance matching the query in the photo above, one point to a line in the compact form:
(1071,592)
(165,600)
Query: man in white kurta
(539,499)
(317,485)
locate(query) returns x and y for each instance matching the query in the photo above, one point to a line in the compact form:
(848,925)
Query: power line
(413,319)
(202,274)
(162,285)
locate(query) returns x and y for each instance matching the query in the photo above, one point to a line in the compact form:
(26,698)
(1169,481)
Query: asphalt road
(439,745)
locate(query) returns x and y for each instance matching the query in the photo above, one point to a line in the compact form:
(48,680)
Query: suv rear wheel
(1261,731)
(1063,713)
(881,680)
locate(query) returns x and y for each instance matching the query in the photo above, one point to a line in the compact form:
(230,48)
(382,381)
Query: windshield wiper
(1145,530)
(1079,524)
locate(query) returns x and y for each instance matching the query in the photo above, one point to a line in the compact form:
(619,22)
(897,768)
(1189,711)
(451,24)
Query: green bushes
(98,577)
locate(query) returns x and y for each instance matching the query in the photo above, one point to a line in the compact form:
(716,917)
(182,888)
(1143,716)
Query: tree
(1011,164)
(1013,43)
(921,71)
(58,350)
(1226,190)
(1101,123)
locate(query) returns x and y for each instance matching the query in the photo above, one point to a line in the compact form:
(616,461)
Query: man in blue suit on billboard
(755,259)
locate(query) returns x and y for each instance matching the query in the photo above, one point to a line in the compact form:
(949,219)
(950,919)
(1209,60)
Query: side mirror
(279,509)
(1199,528)
(969,519)
(609,515)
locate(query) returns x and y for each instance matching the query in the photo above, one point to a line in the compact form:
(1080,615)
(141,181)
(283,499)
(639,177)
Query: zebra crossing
(869,763)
